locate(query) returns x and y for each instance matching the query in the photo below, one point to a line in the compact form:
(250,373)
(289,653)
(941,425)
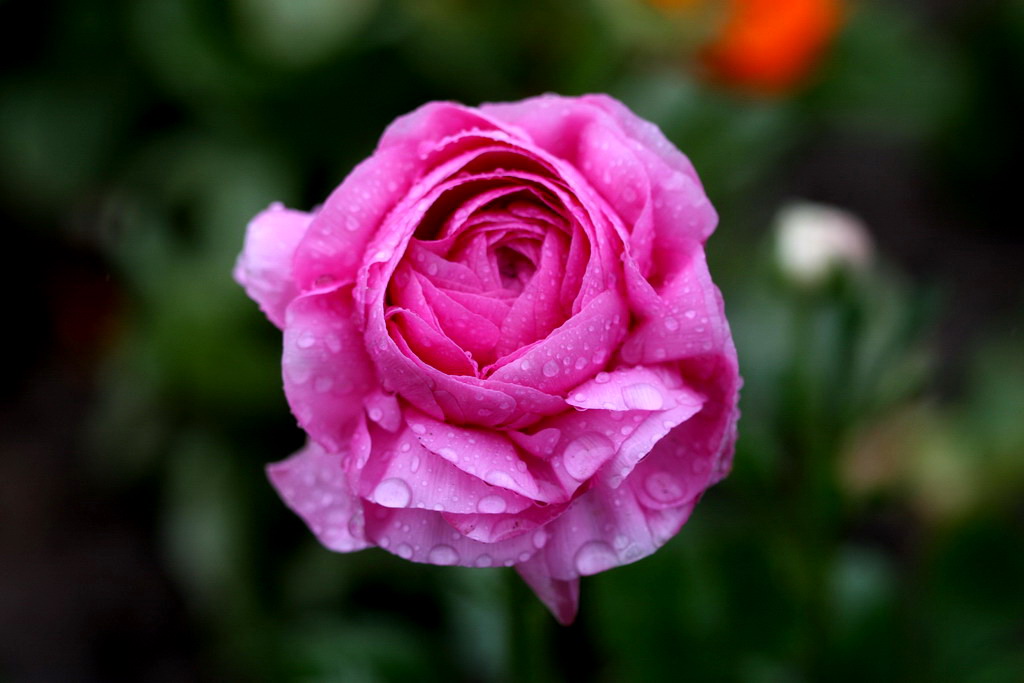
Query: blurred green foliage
(871,530)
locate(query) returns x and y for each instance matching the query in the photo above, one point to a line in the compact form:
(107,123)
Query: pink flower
(502,339)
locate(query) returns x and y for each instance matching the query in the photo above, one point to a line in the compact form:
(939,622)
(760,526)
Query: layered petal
(425,536)
(264,268)
(561,597)
(606,528)
(312,483)
(326,369)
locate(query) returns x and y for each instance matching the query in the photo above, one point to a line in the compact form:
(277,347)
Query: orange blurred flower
(771,45)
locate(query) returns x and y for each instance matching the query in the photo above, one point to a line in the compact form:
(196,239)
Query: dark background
(873,527)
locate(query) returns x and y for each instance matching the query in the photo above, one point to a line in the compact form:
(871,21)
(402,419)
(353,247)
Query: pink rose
(503,342)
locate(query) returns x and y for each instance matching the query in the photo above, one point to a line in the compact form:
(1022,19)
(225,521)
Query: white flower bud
(813,239)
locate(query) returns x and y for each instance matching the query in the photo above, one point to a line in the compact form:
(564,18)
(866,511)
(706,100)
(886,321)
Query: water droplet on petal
(550,368)
(499,478)
(404,550)
(594,557)
(392,493)
(585,454)
(484,561)
(540,537)
(443,555)
(663,487)
(491,505)
(305,340)
(602,377)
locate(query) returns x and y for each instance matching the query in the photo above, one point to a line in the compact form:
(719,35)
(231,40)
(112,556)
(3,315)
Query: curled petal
(561,597)
(264,267)
(313,484)
(326,370)
(331,250)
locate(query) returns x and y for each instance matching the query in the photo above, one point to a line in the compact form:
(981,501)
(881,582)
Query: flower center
(515,269)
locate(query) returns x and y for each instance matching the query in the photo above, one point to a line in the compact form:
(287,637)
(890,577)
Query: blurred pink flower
(502,339)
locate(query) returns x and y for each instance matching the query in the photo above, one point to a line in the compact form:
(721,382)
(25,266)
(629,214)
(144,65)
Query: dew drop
(671,324)
(305,340)
(499,478)
(663,487)
(323,384)
(484,561)
(392,493)
(602,377)
(491,505)
(550,368)
(404,550)
(540,537)
(443,555)
(585,454)
(594,557)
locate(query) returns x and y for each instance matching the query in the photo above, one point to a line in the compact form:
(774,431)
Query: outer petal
(264,268)
(606,528)
(485,454)
(634,388)
(403,474)
(313,484)
(683,319)
(561,597)
(581,130)
(326,370)
(332,249)
(425,536)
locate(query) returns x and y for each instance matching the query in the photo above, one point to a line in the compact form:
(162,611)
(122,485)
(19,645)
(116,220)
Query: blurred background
(864,157)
